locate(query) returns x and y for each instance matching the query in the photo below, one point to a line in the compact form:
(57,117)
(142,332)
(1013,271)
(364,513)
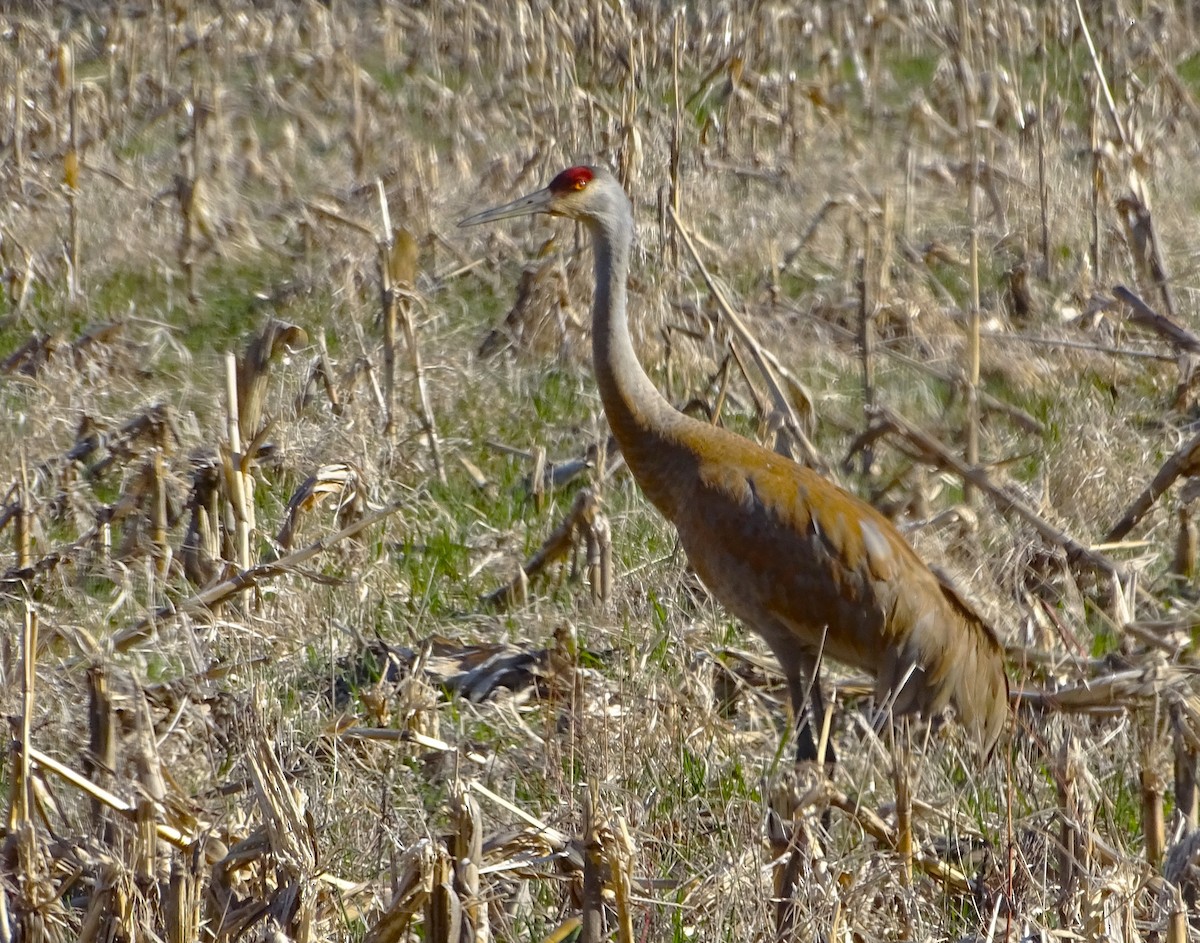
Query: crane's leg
(808,705)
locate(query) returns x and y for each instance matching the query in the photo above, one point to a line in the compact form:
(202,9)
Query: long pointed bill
(538,202)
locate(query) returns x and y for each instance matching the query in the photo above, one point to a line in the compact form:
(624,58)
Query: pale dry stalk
(239,483)
(23,531)
(181,909)
(20,809)
(443,909)
(468,859)
(71,160)
(901,780)
(412,885)
(389,302)
(592,903)
(397,277)
(619,859)
(1153,788)
(866,334)
(969,87)
(101,758)
(1186,763)
(159,522)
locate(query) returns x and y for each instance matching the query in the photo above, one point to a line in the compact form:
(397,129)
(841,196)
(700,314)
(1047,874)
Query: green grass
(912,73)
(1188,70)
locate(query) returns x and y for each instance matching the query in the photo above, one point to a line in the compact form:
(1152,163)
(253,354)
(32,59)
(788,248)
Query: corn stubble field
(329,615)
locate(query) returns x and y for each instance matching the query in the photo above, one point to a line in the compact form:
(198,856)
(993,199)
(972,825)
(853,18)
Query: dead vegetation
(276,436)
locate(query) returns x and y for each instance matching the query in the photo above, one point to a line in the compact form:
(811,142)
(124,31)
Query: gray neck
(640,417)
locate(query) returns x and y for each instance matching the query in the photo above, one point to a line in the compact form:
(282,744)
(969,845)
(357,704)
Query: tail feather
(945,655)
(980,686)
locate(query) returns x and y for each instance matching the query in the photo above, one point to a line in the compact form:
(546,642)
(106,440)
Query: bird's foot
(797,853)
(804,794)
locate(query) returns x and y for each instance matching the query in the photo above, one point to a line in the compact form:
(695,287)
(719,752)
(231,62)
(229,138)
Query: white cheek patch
(879,554)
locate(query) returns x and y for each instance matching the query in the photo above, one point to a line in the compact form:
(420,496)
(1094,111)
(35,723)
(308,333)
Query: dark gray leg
(808,704)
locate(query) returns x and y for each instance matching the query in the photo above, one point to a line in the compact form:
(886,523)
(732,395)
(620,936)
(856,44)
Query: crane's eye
(580,183)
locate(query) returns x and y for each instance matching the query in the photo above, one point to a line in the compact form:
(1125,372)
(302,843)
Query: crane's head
(586,194)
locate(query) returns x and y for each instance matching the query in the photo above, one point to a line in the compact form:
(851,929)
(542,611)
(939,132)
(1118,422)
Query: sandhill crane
(811,568)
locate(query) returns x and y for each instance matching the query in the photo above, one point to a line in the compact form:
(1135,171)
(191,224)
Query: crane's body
(812,569)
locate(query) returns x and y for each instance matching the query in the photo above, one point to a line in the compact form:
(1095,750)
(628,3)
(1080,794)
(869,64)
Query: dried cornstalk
(195,220)
(1187,765)
(108,914)
(397,278)
(901,752)
(585,520)
(143,747)
(413,884)
(866,335)
(598,538)
(23,532)
(1177,914)
(20,808)
(1171,331)
(342,481)
(1153,787)
(468,859)
(965,67)
(537,477)
(1187,545)
(200,551)
(443,909)
(1115,693)
(619,855)
(239,484)
(1143,242)
(326,373)
(145,841)
(253,371)
(101,758)
(1074,853)
(1113,115)
(592,903)
(282,805)
(394,270)
(181,909)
